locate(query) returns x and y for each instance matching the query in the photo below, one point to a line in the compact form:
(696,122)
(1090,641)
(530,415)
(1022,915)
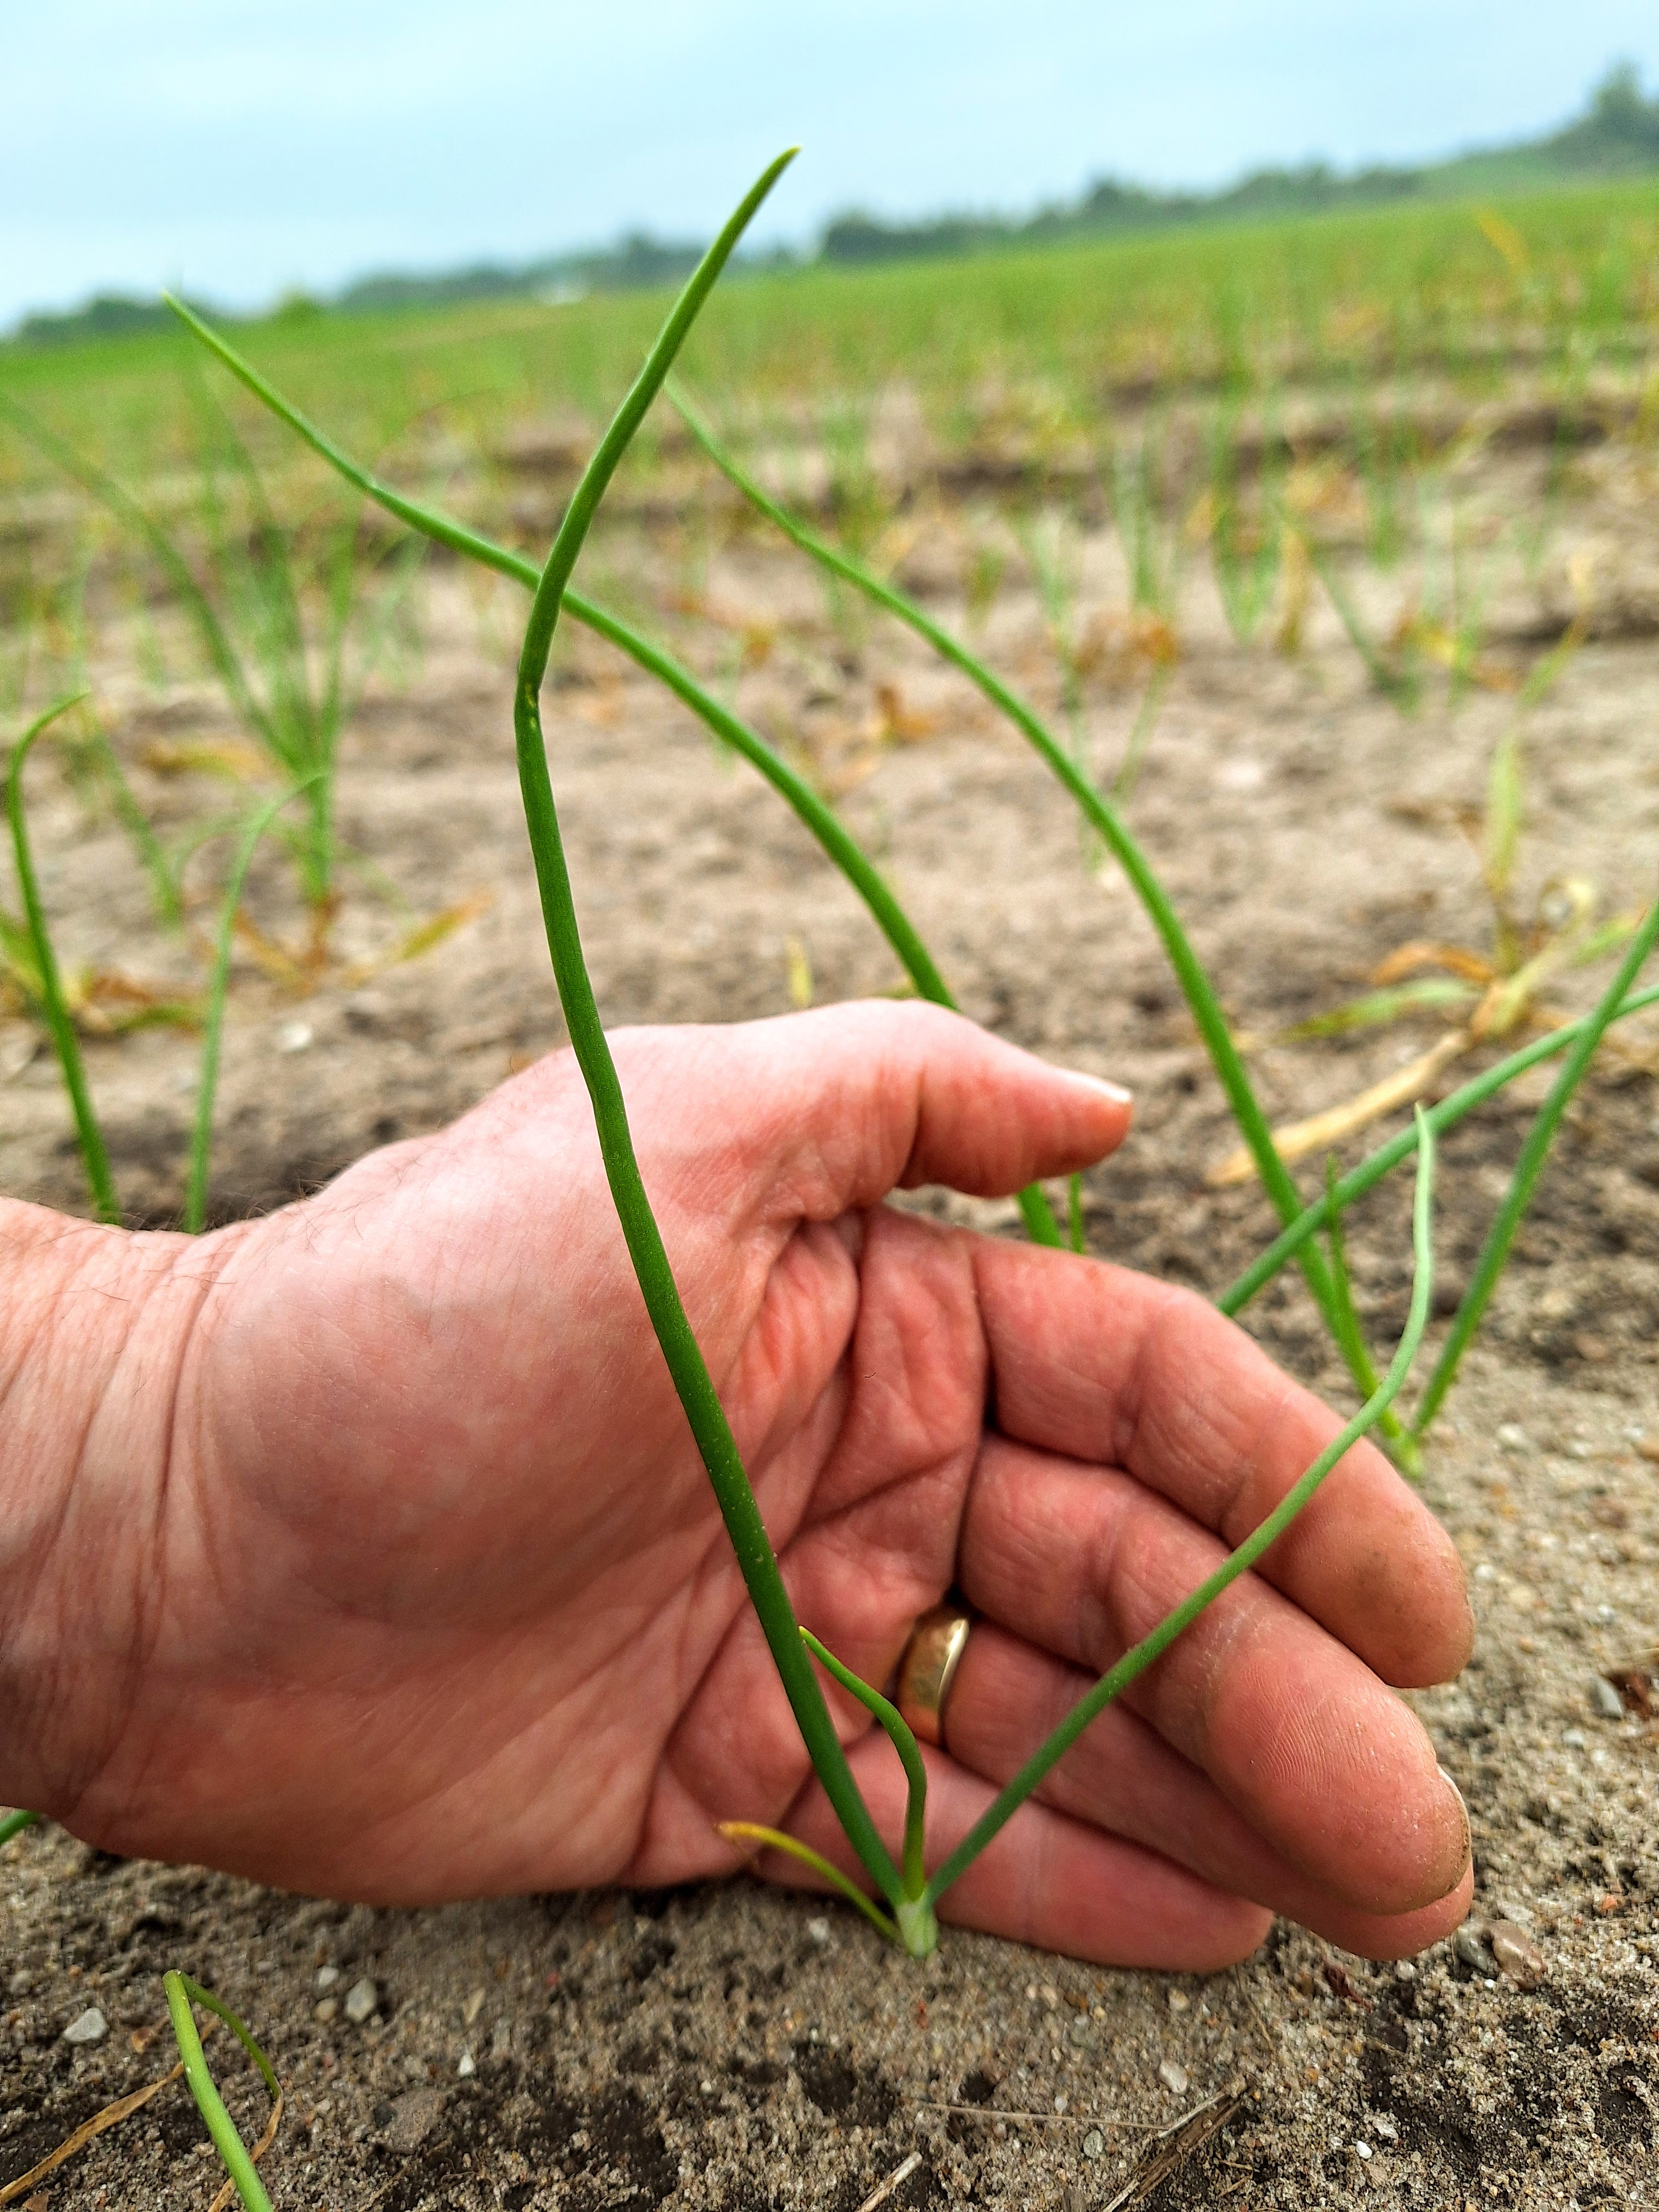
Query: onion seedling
(239,2161)
(909,1895)
(287,688)
(95,1153)
(1438,1118)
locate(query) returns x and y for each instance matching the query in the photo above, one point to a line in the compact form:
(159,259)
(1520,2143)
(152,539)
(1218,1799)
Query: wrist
(94,1325)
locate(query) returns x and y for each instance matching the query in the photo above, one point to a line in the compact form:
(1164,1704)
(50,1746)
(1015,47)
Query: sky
(241,147)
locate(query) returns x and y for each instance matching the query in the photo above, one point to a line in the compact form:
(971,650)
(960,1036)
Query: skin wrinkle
(143,1584)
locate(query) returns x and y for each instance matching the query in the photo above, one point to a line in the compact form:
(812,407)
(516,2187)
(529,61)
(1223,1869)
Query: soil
(724,2046)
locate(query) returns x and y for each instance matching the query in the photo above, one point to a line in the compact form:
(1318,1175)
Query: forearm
(93,1326)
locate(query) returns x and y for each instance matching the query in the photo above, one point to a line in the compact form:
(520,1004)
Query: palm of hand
(445,1594)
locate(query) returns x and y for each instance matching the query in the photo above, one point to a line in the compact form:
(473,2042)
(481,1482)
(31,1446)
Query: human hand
(427,1594)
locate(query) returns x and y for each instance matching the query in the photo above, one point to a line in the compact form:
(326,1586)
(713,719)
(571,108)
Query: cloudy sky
(239,147)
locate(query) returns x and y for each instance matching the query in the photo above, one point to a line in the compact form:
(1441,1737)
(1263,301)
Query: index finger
(1107,1366)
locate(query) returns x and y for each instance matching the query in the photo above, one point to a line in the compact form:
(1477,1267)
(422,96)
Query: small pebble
(1094,2144)
(1511,1436)
(472,2008)
(1404,1972)
(326,2008)
(88,2027)
(1179,2001)
(1050,1995)
(1573,1738)
(467,2066)
(818,1931)
(1517,1953)
(362,2000)
(327,1978)
(1605,1699)
(1470,1949)
(1385,2127)
(1363,2149)
(20,1983)
(1175,2077)
(294,1036)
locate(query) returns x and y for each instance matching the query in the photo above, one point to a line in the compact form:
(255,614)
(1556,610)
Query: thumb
(846,1104)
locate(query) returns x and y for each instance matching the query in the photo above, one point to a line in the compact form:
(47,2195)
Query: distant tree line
(1618,135)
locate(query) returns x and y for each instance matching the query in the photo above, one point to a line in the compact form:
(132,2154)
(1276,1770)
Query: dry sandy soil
(723,2046)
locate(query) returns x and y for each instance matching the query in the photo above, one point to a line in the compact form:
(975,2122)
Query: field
(1330,549)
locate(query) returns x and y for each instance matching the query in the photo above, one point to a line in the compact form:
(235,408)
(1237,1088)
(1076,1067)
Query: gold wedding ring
(928,1668)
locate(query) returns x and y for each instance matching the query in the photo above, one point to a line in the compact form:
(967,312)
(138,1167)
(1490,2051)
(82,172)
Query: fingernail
(1115,1091)
(1463,1813)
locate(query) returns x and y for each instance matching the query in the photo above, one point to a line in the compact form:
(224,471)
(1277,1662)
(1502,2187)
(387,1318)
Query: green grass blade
(692,1382)
(182,1992)
(596,476)
(15,1823)
(903,1743)
(1376,1008)
(752,1831)
(103,487)
(1136,1661)
(1370,1171)
(1403,689)
(1355,1349)
(67,1045)
(136,824)
(818,819)
(1146,720)
(1495,1252)
(201,1141)
(1101,816)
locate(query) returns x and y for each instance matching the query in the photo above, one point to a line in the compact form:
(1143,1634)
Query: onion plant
(94,1151)
(181,1994)
(239,2162)
(906,1893)
(54,1003)
(15,1823)
(911,1895)
(1246,547)
(284,674)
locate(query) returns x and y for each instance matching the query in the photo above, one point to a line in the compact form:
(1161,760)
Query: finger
(1103,1365)
(841,1105)
(1046,1880)
(1121,1777)
(1295,1730)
